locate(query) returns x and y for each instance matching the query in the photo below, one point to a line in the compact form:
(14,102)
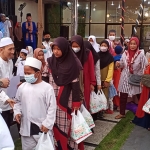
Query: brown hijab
(66,68)
(84,52)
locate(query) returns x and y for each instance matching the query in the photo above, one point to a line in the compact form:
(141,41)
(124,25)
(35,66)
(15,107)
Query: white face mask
(103,49)
(76,49)
(112,38)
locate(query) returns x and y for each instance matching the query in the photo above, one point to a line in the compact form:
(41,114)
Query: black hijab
(83,53)
(66,68)
(105,57)
(89,46)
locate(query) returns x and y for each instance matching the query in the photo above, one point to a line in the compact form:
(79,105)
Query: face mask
(76,49)
(103,49)
(112,38)
(45,51)
(47,39)
(30,78)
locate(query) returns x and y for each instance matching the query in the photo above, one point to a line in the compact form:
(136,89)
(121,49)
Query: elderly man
(6,69)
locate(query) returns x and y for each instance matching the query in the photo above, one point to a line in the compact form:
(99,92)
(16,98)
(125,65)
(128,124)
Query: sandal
(120,116)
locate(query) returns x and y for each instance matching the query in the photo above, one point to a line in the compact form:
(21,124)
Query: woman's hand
(76,108)
(106,84)
(99,87)
(117,64)
(92,87)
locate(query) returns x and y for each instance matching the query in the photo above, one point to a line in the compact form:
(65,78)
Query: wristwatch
(1,84)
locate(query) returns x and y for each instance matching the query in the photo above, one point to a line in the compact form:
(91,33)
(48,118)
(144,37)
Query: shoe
(120,116)
(108,111)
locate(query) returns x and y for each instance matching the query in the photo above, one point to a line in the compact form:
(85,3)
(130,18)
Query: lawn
(118,135)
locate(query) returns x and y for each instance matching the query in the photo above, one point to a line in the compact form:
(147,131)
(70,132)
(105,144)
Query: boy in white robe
(20,67)
(35,107)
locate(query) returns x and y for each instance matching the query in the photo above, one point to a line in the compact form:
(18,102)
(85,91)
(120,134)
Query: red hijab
(131,52)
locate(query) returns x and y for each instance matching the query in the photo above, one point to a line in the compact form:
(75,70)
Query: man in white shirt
(8,26)
(6,69)
(47,45)
(6,141)
(35,107)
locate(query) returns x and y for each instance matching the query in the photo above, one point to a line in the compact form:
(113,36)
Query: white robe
(37,104)
(20,68)
(6,142)
(6,69)
(48,47)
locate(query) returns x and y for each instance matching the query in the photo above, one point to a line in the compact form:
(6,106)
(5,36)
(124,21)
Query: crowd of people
(58,77)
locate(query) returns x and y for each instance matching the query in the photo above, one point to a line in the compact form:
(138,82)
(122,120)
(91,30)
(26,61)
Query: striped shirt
(138,69)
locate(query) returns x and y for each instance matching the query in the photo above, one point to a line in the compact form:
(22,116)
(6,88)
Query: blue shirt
(2,28)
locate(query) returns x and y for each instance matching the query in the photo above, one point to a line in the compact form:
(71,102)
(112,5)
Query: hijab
(18,31)
(105,57)
(88,45)
(94,44)
(30,54)
(83,53)
(131,52)
(36,53)
(65,68)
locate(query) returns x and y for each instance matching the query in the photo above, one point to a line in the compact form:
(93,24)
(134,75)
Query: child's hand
(44,129)
(106,84)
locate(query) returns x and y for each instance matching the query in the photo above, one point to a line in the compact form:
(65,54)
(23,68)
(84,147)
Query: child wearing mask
(46,45)
(20,67)
(34,122)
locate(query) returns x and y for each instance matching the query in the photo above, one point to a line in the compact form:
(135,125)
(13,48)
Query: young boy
(47,45)
(20,67)
(35,107)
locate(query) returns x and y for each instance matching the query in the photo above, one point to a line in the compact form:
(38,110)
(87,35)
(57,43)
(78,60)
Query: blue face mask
(30,78)
(45,50)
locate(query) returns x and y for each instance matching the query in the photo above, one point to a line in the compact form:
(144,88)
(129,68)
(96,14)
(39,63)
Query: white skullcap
(6,41)
(7,18)
(2,15)
(33,62)
(24,51)
(127,40)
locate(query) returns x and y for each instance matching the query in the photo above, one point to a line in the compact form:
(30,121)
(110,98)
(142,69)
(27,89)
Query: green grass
(118,135)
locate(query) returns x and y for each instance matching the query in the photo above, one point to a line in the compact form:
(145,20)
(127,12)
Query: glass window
(66,18)
(98,12)
(98,30)
(128,30)
(83,30)
(146,13)
(114,11)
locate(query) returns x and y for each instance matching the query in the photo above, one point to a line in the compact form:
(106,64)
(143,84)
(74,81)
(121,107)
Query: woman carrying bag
(133,63)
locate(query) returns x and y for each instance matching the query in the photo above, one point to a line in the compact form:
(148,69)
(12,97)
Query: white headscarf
(94,44)
(30,54)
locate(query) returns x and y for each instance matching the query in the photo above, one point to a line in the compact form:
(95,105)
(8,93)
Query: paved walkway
(139,139)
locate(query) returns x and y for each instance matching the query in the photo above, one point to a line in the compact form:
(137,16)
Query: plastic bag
(87,116)
(102,99)
(79,128)
(44,143)
(146,107)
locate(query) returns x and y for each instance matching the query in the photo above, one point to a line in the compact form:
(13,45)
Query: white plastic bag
(87,116)
(146,107)
(44,143)
(79,128)
(102,99)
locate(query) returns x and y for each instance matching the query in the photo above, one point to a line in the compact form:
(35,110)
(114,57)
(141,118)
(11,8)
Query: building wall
(31,7)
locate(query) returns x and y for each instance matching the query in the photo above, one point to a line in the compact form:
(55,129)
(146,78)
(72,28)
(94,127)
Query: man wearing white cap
(35,107)
(6,69)
(20,67)
(7,24)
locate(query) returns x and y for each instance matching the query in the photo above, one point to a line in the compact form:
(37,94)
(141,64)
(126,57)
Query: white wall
(31,7)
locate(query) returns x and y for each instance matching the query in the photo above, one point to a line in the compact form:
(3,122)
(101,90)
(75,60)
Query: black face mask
(47,39)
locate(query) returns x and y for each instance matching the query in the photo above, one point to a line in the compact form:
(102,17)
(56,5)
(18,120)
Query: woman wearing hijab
(39,54)
(86,59)
(106,67)
(141,118)
(30,49)
(18,35)
(65,69)
(92,40)
(96,58)
(133,62)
